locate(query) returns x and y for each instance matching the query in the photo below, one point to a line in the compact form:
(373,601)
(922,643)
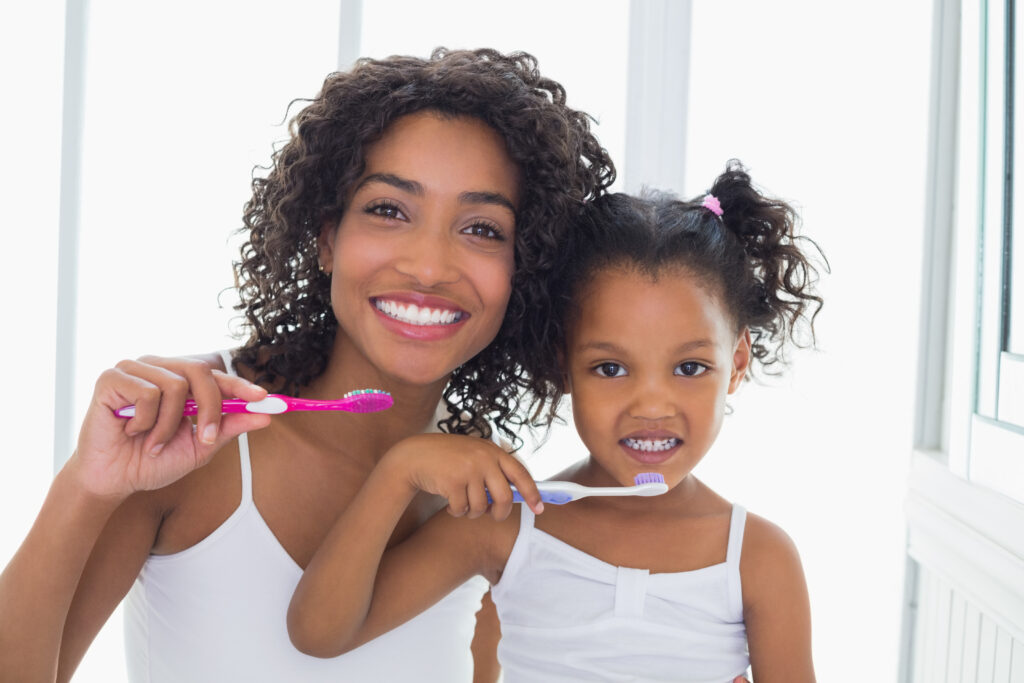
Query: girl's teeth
(651,444)
(414,315)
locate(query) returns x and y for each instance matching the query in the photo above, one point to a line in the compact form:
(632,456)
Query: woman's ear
(740,360)
(325,246)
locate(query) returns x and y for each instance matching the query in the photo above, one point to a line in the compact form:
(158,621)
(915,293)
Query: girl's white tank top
(567,616)
(216,612)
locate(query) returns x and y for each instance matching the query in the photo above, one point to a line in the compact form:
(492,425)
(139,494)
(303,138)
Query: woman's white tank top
(216,612)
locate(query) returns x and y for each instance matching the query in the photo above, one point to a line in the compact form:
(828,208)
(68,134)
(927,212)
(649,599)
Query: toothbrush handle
(553,497)
(230,405)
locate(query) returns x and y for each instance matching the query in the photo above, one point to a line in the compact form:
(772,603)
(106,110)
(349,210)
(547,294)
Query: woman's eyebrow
(413,187)
(410,186)
(495,198)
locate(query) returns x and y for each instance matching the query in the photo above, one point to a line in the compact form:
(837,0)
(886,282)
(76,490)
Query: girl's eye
(386,210)
(610,370)
(484,230)
(691,369)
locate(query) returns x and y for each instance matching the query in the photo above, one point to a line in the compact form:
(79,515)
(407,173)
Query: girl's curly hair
(285,299)
(751,255)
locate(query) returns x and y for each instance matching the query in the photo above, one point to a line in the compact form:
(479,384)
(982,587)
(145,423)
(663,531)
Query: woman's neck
(369,435)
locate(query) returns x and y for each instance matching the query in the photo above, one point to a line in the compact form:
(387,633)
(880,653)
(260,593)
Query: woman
(396,243)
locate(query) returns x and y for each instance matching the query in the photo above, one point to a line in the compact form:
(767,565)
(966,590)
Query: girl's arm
(776,607)
(92,535)
(353,591)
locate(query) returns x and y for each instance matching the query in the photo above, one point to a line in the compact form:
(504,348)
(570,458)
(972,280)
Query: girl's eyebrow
(413,187)
(613,348)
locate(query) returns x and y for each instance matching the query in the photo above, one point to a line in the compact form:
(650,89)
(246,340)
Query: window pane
(1014,310)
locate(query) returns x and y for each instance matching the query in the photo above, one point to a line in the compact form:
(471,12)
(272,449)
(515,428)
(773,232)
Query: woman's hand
(116,457)
(464,470)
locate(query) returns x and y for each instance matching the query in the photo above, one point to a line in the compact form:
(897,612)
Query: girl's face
(650,364)
(422,259)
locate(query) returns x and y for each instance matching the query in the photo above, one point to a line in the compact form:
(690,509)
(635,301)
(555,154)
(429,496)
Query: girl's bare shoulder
(769,563)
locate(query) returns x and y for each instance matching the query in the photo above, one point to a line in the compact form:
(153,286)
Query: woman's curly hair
(285,299)
(752,256)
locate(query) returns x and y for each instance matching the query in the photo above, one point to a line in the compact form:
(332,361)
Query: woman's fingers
(172,381)
(159,408)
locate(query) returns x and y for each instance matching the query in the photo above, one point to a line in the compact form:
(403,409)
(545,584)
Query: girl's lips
(650,449)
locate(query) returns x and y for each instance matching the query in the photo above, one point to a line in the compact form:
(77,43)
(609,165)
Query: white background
(825,103)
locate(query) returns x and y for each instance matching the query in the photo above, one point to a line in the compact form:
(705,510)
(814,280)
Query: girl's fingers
(501,495)
(477,498)
(458,502)
(517,473)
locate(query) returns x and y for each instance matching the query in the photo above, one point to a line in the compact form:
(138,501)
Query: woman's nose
(429,257)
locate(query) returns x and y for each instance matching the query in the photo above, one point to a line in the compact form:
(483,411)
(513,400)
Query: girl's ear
(740,360)
(325,246)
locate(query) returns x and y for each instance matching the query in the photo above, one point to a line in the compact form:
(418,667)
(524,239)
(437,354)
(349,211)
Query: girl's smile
(651,360)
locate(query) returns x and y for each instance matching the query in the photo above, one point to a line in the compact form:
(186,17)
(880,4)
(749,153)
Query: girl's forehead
(672,299)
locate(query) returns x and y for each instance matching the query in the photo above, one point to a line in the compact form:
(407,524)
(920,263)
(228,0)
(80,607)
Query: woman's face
(422,259)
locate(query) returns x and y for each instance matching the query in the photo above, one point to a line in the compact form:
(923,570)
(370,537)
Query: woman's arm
(776,607)
(92,535)
(353,591)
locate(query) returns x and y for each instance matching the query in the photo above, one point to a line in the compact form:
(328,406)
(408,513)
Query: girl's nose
(653,401)
(429,257)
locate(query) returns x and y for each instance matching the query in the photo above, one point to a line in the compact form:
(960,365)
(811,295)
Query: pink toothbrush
(358,401)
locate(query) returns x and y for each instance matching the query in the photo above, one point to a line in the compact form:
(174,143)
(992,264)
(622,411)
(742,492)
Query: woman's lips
(419,317)
(412,314)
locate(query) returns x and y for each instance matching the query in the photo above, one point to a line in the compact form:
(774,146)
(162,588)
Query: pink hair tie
(712,204)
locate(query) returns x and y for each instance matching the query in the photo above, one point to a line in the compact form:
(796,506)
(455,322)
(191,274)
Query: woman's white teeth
(415,315)
(651,444)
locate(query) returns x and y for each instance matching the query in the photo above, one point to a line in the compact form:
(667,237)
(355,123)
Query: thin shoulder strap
(243,439)
(519,555)
(737,524)
(526,518)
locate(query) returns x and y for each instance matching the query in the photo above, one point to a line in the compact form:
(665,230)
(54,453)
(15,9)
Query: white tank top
(216,612)
(567,616)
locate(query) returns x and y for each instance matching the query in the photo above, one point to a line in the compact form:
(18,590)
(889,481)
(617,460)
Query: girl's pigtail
(776,296)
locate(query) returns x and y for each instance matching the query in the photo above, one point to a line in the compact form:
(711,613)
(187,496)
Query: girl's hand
(463,470)
(116,457)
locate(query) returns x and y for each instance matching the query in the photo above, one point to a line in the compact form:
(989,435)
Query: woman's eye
(385,210)
(691,369)
(485,231)
(610,370)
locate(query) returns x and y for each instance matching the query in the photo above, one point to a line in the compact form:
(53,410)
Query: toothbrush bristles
(648,478)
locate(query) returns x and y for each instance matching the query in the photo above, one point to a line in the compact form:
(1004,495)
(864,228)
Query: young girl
(666,307)
(399,241)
